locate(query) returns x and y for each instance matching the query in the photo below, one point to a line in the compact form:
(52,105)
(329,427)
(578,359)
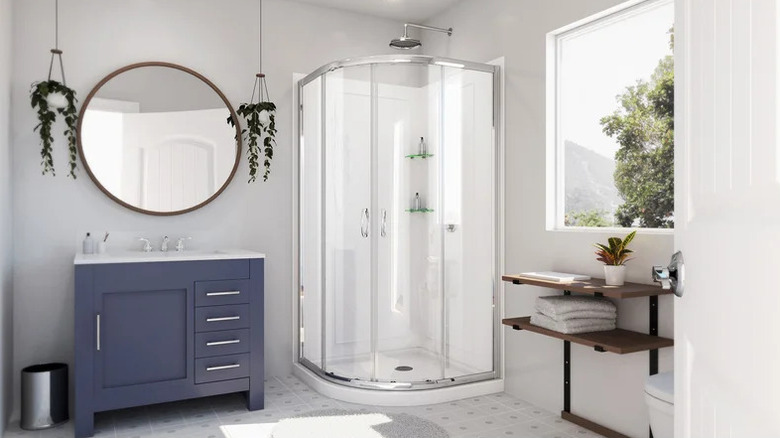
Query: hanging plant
(49,98)
(260,132)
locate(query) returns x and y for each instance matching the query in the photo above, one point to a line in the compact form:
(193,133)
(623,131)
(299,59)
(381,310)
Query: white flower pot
(615,275)
(57,100)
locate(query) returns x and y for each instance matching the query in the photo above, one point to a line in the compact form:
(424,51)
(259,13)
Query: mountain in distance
(589,181)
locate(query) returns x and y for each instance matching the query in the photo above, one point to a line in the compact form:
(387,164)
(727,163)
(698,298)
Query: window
(610,119)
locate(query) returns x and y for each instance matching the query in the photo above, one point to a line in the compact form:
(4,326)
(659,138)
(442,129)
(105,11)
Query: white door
(727,324)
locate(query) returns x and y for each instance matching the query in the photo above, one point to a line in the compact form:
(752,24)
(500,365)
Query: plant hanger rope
(264,96)
(56,50)
(50,97)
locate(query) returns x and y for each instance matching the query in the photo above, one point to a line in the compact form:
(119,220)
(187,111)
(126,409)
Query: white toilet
(659,396)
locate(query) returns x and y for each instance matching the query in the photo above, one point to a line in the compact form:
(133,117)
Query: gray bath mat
(341,423)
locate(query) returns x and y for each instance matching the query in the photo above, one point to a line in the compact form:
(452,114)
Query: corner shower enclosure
(396,294)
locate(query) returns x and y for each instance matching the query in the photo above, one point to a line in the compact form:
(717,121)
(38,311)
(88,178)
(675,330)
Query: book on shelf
(559,277)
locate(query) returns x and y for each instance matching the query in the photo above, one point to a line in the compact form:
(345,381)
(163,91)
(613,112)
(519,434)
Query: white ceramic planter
(57,100)
(615,275)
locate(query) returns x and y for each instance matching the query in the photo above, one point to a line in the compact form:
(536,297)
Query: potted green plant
(260,135)
(49,98)
(614,256)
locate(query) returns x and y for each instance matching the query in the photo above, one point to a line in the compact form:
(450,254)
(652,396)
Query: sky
(598,66)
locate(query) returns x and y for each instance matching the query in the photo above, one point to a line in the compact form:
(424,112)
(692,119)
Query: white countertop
(170,256)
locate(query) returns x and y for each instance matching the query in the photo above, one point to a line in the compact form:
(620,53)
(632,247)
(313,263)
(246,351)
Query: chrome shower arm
(420,26)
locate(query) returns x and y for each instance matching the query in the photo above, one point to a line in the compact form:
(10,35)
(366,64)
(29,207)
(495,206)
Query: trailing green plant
(616,254)
(47,116)
(259,135)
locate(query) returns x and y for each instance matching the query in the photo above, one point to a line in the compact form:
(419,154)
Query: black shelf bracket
(516,327)
(516,282)
(598,294)
(599,348)
(567,371)
(653,332)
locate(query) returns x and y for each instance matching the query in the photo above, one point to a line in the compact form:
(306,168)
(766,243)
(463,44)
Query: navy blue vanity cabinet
(155,332)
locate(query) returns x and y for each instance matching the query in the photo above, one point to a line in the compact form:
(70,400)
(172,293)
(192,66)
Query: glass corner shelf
(423,156)
(419,210)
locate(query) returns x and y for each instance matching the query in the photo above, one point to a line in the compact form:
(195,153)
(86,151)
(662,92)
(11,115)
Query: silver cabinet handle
(215,343)
(364,223)
(383,230)
(219,294)
(223,318)
(97,338)
(223,367)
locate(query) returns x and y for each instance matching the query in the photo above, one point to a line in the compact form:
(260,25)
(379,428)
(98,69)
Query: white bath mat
(339,423)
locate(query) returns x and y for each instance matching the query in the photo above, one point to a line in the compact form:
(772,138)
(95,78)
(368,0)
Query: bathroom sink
(169,256)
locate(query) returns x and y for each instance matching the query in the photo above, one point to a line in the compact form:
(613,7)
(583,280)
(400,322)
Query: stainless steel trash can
(44,396)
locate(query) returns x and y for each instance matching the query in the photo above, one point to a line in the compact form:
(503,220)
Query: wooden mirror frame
(177,67)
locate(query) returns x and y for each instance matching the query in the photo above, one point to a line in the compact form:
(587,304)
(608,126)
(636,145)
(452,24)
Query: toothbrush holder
(101,247)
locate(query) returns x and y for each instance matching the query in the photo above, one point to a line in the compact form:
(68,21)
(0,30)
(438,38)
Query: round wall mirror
(154,137)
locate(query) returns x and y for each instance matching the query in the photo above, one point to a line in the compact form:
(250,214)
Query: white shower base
(425,365)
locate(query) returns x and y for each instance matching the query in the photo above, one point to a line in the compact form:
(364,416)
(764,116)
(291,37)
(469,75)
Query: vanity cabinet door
(144,343)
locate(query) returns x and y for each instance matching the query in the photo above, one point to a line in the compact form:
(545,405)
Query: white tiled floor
(493,416)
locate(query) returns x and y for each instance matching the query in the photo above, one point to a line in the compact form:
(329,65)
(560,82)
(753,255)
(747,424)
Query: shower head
(406,43)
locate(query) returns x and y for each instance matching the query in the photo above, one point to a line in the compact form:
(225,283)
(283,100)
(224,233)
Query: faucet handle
(147,244)
(180,243)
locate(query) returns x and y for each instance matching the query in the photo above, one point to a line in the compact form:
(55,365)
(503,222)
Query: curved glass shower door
(347,224)
(397,221)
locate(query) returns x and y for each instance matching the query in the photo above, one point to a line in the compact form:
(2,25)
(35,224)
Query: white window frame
(555,189)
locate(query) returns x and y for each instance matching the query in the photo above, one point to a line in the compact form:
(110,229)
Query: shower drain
(403,368)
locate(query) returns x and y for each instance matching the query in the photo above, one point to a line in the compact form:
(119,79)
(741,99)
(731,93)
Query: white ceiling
(401,10)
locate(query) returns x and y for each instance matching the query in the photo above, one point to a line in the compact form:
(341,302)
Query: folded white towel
(565,307)
(572,326)
(584,314)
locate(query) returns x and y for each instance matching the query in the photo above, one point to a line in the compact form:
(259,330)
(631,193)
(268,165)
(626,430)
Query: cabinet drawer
(209,319)
(212,369)
(209,344)
(218,293)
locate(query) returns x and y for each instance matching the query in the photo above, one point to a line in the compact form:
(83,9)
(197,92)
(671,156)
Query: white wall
(219,40)
(6,232)
(606,388)
(98,37)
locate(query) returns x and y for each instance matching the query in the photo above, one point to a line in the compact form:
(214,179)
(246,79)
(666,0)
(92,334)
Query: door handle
(383,229)
(364,223)
(671,277)
(219,294)
(216,343)
(97,334)
(223,318)
(223,367)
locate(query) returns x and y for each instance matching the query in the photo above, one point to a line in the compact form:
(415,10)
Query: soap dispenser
(417,202)
(423,148)
(88,246)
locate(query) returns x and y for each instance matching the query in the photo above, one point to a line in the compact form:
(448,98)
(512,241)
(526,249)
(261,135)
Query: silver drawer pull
(224,318)
(219,294)
(215,343)
(223,367)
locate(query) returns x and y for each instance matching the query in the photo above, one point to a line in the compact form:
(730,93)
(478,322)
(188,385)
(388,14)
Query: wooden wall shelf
(594,286)
(617,341)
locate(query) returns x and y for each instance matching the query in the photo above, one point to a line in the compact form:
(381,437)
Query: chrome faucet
(147,244)
(180,243)
(164,246)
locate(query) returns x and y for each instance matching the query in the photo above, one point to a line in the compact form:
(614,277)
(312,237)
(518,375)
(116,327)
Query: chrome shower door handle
(383,229)
(364,223)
